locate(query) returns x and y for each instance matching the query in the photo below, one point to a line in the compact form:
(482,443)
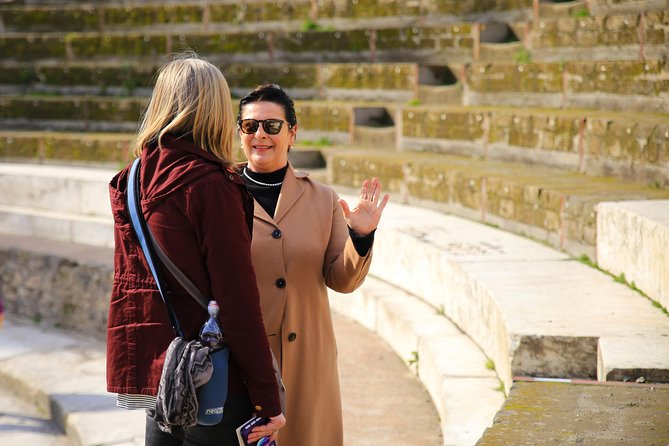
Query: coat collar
(291,190)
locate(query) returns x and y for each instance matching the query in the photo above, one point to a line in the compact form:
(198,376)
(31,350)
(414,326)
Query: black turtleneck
(267,195)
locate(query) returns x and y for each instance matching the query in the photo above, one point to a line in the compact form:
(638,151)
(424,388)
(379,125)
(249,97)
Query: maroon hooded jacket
(201,215)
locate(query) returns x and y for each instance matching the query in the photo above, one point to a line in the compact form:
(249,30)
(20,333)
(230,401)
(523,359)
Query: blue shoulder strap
(141,229)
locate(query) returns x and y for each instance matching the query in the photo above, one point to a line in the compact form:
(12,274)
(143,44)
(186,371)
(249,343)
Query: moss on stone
(50,18)
(147,15)
(139,45)
(286,75)
(369,76)
(323,116)
(12,146)
(32,47)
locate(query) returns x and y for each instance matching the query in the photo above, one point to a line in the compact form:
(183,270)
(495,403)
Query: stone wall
(68,291)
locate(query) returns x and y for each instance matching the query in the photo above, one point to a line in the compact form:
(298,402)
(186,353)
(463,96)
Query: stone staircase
(541,120)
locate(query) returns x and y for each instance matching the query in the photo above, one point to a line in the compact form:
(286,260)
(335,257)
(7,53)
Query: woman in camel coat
(302,246)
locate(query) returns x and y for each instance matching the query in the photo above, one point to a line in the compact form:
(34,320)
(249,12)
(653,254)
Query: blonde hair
(191,96)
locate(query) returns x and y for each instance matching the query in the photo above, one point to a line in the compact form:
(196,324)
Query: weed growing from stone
(414,358)
(522,56)
(490,364)
(581,13)
(623,280)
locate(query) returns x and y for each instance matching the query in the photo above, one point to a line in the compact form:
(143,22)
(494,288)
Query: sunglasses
(270,126)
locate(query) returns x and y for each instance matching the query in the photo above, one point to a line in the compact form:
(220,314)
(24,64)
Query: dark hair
(270,93)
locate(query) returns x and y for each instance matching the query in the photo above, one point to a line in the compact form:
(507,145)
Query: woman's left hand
(365,216)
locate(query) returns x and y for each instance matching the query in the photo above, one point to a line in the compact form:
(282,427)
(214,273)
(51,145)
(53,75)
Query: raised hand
(365,216)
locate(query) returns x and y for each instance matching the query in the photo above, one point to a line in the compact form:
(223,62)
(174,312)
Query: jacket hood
(177,162)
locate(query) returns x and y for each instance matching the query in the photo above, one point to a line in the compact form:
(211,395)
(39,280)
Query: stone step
(451,366)
(612,37)
(633,358)
(603,7)
(91,149)
(553,206)
(331,120)
(631,241)
(385,44)
(110,15)
(63,203)
(552,413)
(62,189)
(607,85)
(363,81)
(627,145)
(60,226)
(532,310)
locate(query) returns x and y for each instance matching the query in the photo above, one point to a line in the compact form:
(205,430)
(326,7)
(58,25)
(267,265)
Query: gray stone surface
(63,203)
(451,367)
(561,414)
(22,424)
(60,376)
(533,310)
(632,239)
(631,358)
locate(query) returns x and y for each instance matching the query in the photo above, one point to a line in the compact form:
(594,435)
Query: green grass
(490,364)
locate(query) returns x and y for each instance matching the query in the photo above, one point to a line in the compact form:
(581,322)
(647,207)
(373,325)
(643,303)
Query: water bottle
(212,395)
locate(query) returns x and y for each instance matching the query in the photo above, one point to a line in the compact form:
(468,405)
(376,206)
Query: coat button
(292,337)
(276,233)
(258,408)
(280,283)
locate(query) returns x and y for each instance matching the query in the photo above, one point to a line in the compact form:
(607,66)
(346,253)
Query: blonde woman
(198,209)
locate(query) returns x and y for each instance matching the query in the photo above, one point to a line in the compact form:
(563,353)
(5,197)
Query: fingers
(384,202)
(345,208)
(364,190)
(268,430)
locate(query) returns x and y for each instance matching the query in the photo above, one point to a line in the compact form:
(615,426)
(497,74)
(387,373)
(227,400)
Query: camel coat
(297,254)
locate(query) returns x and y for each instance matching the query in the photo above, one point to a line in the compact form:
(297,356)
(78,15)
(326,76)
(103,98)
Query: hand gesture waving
(365,216)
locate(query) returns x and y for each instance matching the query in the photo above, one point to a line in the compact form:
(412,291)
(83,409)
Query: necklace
(260,182)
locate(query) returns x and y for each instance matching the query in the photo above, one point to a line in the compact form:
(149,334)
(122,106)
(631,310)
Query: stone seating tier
(632,146)
(611,85)
(390,43)
(393,82)
(549,205)
(58,15)
(615,85)
(614,37)
(620,37)
(625,145)
(103,16)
